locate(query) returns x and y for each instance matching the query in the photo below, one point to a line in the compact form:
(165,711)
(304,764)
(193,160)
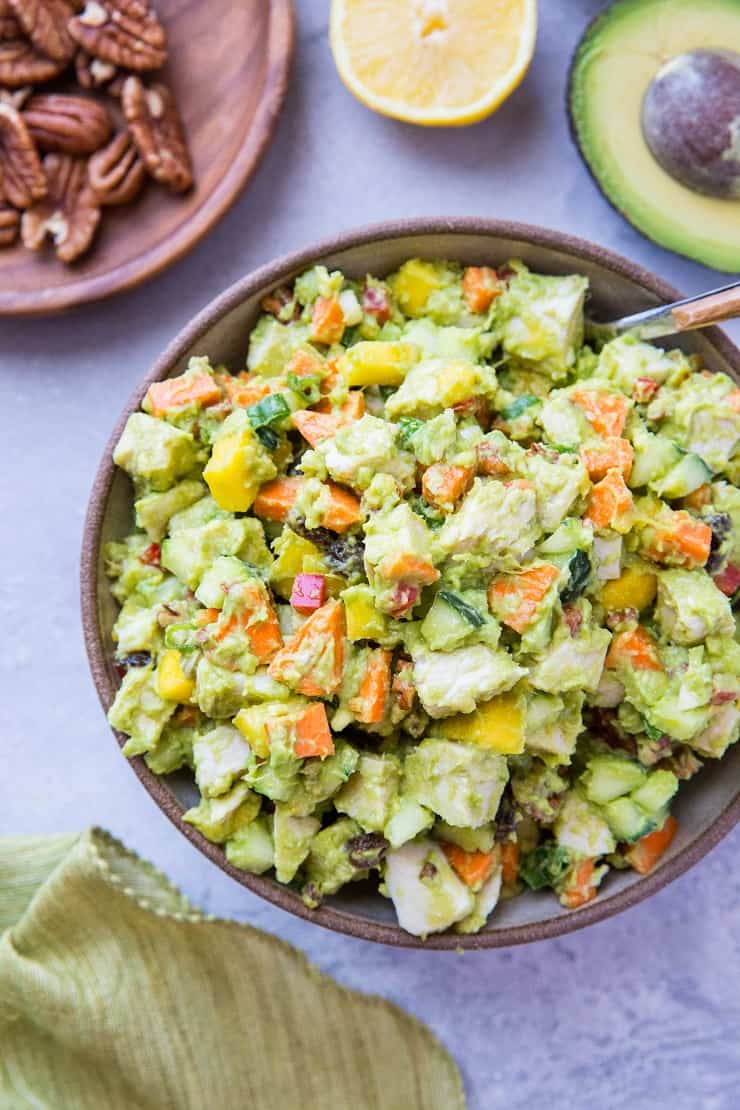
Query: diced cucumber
(407,822)
(444,627)
(686,476)
(609,777)
(627,820)
(470,840)
(654,456)
(656,792)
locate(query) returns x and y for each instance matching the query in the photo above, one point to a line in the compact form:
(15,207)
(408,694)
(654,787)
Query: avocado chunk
(630,72)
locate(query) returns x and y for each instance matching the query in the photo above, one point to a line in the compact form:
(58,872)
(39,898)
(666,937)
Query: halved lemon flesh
(433,62)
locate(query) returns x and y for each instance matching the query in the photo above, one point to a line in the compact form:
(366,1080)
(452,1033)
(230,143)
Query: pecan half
(117,172)
(10,219)
(23,180)
(124,32)
(20,62)
(45,22)
(157,130)
(69,213)
(93,73)
(72,124)
(16,97)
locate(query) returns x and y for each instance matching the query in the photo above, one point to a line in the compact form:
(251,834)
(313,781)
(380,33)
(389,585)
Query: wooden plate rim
(152,261)
(265,278)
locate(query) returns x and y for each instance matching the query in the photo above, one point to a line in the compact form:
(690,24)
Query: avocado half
(613,68)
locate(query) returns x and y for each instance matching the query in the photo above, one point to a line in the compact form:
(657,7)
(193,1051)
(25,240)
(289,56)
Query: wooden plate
(229,66)
(707,808)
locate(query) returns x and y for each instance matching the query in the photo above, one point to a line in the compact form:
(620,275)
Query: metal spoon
(692,312)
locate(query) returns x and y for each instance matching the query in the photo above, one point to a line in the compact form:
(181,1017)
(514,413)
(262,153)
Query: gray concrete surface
(641,1011)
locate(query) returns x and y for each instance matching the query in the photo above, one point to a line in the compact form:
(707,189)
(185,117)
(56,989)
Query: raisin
(366,850)
(137,659)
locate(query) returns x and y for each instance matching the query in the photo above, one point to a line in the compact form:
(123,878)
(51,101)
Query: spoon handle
(710,309)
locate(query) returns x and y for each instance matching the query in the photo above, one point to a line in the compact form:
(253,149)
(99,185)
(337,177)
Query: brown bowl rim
(153,260)
(266,277)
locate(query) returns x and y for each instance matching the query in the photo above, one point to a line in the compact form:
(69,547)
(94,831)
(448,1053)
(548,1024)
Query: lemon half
(438,63)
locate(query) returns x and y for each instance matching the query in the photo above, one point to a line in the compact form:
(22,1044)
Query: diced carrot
(206,616)
(312,661)
(313,735)
(369,704)
(354,407)
(410,569)
(489,460)
(316,426)
(275,499)
(698,498)
(579,889)
(444,485)
(728,580)
(308,593)
(175,393)
(327,321)
(303,364)
(509,862)
(515,598)
(257,619)
(681,539)
(342,509)
(323,422)
(615,454)
(472,867)
(635,647)
(151,555)
(644,855)
(403,684)
(276,301)
(610,499)
(242,390)
(733,400)
(481,286)
(332,377)
(606,412)
(477,407)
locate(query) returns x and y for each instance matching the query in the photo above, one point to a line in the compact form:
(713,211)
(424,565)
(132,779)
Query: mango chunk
(496,725)
(634,589)
(378,363)
(364,621)
(237,469)
(413,284)
(252,722)
(172,682)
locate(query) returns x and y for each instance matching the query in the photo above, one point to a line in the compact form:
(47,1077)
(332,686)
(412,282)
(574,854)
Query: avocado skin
(593,28)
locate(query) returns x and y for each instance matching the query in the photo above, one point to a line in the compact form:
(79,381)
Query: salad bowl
(707,808)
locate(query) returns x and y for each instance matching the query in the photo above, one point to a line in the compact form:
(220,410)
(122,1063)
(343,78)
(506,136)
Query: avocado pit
(691,121)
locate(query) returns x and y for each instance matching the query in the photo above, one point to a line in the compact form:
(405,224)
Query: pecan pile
(83,121)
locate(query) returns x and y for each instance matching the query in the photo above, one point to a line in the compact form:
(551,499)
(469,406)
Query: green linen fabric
(116,992)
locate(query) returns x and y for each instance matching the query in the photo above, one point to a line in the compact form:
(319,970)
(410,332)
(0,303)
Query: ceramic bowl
(707,808)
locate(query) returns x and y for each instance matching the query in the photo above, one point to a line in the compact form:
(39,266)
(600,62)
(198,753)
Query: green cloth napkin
(116,992)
